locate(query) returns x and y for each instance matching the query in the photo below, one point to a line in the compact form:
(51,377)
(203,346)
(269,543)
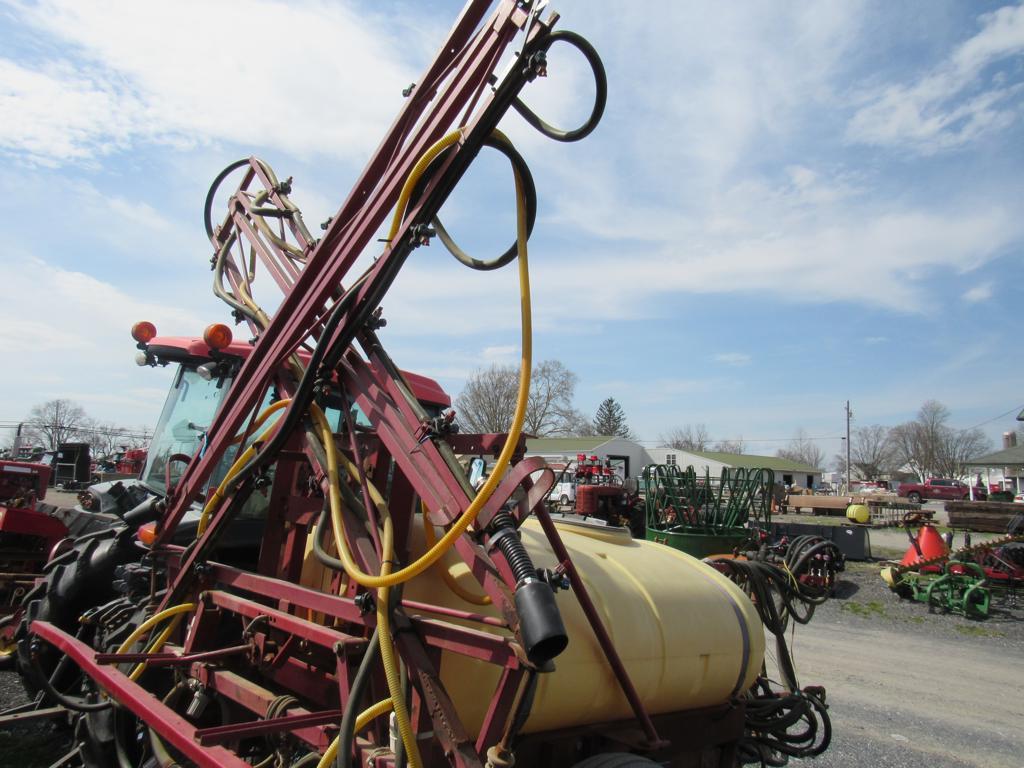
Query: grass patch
(873,608)
(973,631)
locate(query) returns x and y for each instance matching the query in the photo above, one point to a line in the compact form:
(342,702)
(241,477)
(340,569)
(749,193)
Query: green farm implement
(704,515)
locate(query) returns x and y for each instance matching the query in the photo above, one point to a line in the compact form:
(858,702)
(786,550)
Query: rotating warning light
(217,336)
(143,331)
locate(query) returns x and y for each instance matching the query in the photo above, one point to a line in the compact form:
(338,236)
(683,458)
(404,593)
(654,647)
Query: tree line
(55,422)
(487,403)
(926,447)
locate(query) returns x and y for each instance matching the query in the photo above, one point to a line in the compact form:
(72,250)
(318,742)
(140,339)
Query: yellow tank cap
(859,513)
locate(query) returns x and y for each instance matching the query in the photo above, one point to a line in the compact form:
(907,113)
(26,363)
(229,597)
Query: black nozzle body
(540,622)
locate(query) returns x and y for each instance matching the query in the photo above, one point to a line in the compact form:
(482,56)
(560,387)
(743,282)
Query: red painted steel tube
(173,728)
(454,613)
(223,733)
(316,633)
(480,645)
(603,638)
(170,659)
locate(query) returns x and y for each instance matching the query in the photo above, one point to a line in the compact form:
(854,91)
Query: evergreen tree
(611,419)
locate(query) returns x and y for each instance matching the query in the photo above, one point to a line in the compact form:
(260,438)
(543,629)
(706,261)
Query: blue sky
(785,206)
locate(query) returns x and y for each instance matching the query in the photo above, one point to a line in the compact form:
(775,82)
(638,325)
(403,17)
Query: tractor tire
(616,760)
(79,579)
(914,497)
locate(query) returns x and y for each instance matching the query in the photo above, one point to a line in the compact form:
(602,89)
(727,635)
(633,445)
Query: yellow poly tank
(687,635)
(859,513)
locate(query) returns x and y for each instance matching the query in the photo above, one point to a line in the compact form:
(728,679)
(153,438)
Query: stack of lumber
(990,516)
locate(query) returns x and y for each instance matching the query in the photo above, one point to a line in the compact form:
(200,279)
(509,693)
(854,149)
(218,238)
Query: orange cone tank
(931,544)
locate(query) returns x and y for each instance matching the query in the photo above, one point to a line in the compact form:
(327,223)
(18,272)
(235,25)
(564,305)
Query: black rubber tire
(914,497)
(74,582)
(616,760)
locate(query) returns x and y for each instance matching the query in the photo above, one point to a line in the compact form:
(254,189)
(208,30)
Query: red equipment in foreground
(288,651)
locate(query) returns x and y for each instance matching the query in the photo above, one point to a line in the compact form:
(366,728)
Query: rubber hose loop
(530,193)
(581,44)
(208,205)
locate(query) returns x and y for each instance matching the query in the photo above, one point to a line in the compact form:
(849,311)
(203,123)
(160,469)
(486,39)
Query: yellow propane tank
(687,635)
(859,513)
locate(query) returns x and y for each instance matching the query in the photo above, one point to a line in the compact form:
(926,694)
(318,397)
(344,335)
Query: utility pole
(849,415)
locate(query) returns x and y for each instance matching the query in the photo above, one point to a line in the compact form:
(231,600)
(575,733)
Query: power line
(112,432)
(1018,409)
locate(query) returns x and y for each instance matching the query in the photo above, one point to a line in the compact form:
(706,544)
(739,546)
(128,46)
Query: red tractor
(27,537)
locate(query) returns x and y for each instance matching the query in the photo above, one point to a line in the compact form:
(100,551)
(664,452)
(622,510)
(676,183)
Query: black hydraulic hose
(529,193)
(208,205)
(358,687)
(68,702)
(304,391)
(401,758)
(581,44)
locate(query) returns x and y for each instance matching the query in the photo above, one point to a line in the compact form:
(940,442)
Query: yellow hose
(387,653)
(236,467)
(452,583)
(414,177)
(363,719)
(270,409)
(147,625)
(157,645)
(434,553)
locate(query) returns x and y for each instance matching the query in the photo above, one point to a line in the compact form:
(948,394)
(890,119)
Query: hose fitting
(540,623)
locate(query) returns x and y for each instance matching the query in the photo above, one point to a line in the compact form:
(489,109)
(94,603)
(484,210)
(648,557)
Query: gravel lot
(907,688)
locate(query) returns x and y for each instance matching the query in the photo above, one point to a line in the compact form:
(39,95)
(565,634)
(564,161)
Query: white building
(786,472)
(627,457)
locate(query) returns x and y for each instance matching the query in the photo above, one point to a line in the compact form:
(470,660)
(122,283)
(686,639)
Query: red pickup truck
(939,488)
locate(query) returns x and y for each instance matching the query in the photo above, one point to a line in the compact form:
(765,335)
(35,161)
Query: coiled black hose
(769,740)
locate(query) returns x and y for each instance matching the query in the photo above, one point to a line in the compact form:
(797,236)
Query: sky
(785,207)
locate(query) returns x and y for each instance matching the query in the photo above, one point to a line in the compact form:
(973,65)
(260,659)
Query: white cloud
(500,354)
(69,333)
(736,359)
(873,340)
(951,105)
(978,293)
(311,78)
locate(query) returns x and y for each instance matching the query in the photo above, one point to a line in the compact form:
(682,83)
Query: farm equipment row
(959,581)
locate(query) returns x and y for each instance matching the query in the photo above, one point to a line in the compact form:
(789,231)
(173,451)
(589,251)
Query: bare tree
(552,387)
(730,446)
(691,437)
(803,450)
(488,401)
(929,447)
(576,424)
(959,446)
(873,452)
(55,422)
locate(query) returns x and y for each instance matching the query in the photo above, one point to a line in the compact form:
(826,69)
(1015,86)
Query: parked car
(939,488)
